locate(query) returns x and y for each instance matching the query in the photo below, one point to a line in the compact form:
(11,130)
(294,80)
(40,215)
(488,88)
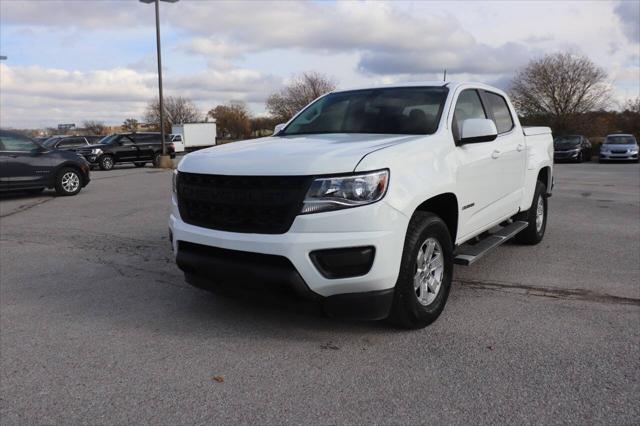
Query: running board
(467,253)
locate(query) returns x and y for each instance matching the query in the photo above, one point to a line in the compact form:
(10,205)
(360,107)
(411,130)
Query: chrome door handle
(520,147)
(495,154)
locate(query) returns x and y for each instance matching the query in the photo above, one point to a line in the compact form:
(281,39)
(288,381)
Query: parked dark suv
(70,143)
(572,148)
(28,166)
(136,148)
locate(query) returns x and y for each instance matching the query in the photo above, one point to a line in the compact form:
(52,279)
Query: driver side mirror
(278,128)
(475,130)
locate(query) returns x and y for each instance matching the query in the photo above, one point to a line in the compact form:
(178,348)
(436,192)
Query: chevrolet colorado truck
(365,199)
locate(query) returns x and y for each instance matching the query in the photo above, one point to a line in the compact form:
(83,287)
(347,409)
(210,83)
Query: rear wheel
(68,182)
(425,275)
(106,162)
(536,217)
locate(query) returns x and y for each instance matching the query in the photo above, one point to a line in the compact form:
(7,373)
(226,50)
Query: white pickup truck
(365,199)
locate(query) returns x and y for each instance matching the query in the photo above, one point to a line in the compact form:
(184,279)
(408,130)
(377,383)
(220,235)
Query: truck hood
(290,155)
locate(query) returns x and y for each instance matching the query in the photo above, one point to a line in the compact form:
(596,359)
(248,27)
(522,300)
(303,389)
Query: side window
(17,143)
(467,106)
(126,141)
(500,110)
(71,142)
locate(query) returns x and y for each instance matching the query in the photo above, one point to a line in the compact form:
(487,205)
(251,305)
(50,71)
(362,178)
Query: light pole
(164,159)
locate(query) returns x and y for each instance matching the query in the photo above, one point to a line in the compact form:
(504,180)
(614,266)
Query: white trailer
(192,136)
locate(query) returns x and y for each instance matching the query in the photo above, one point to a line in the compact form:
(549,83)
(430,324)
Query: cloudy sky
(74,60)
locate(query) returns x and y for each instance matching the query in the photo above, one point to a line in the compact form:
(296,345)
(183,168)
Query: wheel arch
(67,165)
(544,176)
(444,205)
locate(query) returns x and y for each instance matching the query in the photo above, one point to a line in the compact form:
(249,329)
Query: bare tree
(632,105)
(560,85)
(130,125)
(233,121)
(299,93)
(94,127)
(178,110)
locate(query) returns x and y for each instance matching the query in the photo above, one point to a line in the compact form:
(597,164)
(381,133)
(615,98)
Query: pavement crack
(25,207)
(552,292)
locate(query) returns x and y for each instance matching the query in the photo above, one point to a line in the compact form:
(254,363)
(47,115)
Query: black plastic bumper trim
(371,305)
(343,262)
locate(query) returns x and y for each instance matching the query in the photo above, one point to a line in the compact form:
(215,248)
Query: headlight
(174,181)
(341,192)
(633,151)
(96,151)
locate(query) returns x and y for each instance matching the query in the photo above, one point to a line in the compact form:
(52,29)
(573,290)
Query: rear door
(510,153)
(147,143)
(477,176)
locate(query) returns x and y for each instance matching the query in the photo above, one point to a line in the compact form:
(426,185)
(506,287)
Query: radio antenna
(444,78)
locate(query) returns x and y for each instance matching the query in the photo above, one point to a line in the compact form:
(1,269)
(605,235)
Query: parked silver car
(619,147)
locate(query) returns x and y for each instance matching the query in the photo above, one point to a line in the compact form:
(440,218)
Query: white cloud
(219,51)
(629,14)
(35,94)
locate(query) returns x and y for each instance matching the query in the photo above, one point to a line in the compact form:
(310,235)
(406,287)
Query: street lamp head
(153,1)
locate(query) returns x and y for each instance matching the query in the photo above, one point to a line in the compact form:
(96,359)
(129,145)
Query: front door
(24,163)
(126,150)
(477,174)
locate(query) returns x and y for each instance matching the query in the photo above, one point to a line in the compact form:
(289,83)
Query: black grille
(618,151)
(250,204)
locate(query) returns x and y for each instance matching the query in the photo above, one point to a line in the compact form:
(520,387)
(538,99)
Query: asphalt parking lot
(97,325)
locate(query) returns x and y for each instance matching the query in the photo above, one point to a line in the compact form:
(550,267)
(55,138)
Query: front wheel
(68,182)
(106,162)
(140,164)
(536,217)
(425,275)
(156,160)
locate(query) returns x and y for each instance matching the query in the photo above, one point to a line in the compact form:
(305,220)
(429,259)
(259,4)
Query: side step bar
(467,253)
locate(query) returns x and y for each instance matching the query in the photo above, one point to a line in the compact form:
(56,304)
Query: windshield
(109,139)
(567,140)
(620,140)
(400,110)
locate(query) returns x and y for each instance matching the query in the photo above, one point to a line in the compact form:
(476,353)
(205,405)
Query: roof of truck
(434,83)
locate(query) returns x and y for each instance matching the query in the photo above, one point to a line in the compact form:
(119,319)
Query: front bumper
(565,155)
(378,225)
(618,157)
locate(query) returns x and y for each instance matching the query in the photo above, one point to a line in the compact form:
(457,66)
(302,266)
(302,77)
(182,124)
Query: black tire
(68,182)
(580,158)
(156,159)
(140,164)
(407,311)
(533,234)
(106,162)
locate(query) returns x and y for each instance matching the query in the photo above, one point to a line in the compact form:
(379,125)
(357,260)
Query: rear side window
(70,142)
(467,106)
(501,114)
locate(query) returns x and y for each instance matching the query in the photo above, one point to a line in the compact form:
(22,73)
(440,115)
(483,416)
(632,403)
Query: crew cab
(137,148)
(365,199)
